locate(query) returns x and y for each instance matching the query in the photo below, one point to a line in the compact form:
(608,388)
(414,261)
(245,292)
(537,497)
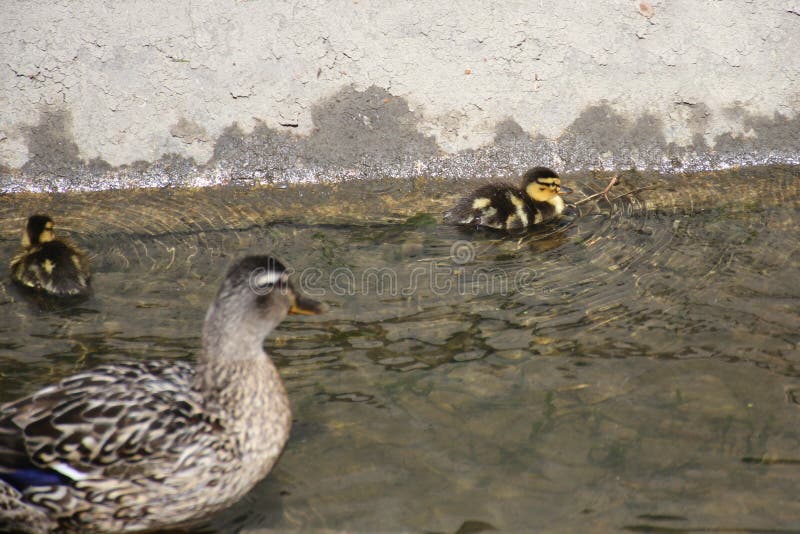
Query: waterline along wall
(97,95)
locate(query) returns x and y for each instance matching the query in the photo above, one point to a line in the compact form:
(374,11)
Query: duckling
(49,264)
(505,207)
(154,444)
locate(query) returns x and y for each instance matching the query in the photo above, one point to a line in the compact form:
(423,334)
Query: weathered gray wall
(100,94)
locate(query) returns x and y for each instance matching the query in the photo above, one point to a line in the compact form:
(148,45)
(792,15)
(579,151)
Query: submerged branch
(604,193)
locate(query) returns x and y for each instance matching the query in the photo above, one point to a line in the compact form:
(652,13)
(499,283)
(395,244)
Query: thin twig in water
(611,183)
(633,192)
(603,193)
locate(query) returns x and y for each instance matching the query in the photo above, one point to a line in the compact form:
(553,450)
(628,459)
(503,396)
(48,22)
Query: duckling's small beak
(306,306)
(564,190)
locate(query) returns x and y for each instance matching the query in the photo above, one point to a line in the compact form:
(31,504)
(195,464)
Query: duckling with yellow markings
(505,207)
(49,264)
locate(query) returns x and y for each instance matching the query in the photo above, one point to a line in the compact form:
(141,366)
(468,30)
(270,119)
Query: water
(633,367)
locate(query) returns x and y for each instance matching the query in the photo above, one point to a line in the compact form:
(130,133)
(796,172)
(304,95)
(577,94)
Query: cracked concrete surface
(97,95)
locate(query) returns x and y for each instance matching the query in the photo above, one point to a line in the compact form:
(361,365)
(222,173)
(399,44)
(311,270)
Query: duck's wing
(486,206)
(114,420)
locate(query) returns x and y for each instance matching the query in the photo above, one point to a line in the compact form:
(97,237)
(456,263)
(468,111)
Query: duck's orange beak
(306,306)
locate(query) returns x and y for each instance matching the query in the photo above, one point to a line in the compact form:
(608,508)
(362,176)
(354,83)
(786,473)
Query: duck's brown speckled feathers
(156,445)
(45,263)
(115,430)
(506,207)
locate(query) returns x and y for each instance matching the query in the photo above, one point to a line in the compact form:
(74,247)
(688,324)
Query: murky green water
(632,367)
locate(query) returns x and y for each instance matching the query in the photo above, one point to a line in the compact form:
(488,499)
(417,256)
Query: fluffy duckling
(49,264)
(156,444)
(505,207)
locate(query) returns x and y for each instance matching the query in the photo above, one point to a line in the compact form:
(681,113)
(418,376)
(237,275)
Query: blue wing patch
(21,479)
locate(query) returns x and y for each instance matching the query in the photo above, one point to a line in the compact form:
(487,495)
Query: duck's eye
(262,280)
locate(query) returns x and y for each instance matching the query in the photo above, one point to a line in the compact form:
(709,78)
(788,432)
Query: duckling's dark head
(38,230)
(543,184)
(255,297)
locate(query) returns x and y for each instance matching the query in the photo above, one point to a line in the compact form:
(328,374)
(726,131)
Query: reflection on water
(631,367)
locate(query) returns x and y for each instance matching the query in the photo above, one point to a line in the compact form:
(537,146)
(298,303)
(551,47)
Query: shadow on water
(634,366)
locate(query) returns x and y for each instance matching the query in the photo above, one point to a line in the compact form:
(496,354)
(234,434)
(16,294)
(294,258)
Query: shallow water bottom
(626,368)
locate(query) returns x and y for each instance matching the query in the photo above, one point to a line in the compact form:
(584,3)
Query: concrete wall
(97,94)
